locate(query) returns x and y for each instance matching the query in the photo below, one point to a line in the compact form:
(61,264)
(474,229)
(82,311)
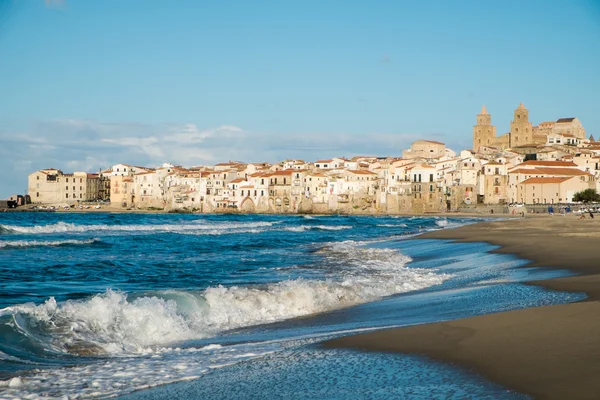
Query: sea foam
(65,227)
(116,322)
(41,243)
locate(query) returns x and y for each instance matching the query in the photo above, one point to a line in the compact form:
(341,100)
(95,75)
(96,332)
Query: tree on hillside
(587,196)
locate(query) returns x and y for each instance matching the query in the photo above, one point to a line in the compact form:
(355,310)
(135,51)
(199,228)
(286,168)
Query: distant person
(582,216)
(591,214)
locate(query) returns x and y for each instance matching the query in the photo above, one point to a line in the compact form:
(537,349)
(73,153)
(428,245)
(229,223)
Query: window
(37,194)
(38,177)
(80,187)
(67,195)
(73,187)
(80,195)
(430,177)
(66,188)
(80,180)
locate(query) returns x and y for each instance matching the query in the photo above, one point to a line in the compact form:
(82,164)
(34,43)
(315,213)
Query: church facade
(522,132)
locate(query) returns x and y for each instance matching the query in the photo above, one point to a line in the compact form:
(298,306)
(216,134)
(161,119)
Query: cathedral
(522,133)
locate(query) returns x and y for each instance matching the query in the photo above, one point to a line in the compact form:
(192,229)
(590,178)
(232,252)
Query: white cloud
(189,133)
(84,145)
(134,142)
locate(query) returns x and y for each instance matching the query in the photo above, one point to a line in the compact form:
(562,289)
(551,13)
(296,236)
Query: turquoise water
(234,306)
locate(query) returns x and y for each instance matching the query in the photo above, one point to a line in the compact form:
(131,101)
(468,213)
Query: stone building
(522,133)
(484,133)
(428,149)
(521,130)
(51,185)
(122,191)
(550,190)
(495,184)
(569,126)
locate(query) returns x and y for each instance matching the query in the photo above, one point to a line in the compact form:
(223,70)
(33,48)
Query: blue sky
(87,84)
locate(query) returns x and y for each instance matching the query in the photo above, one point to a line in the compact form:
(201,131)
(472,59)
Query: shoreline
(549,352)
(119,210)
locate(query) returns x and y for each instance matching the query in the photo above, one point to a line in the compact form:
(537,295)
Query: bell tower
(521,131)
(484,133)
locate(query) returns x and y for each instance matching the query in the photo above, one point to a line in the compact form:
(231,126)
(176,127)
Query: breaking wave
(303,228)
(64,227)
(40,243)
(441,222)
(116,322)
(392,225)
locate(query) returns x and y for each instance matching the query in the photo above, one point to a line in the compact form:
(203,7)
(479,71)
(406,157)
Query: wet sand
(548,352)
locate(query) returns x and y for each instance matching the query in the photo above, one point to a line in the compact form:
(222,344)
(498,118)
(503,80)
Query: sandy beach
(548,352)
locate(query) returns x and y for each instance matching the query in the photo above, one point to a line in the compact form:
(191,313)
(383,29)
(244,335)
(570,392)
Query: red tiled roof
(561,171)
(283,172)
(549,163)
(361,172)
(545,180)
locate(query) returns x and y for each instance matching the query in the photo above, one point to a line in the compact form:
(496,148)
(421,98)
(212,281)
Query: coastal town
(543,164)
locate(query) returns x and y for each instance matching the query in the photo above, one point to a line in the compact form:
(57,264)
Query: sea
(162,306)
